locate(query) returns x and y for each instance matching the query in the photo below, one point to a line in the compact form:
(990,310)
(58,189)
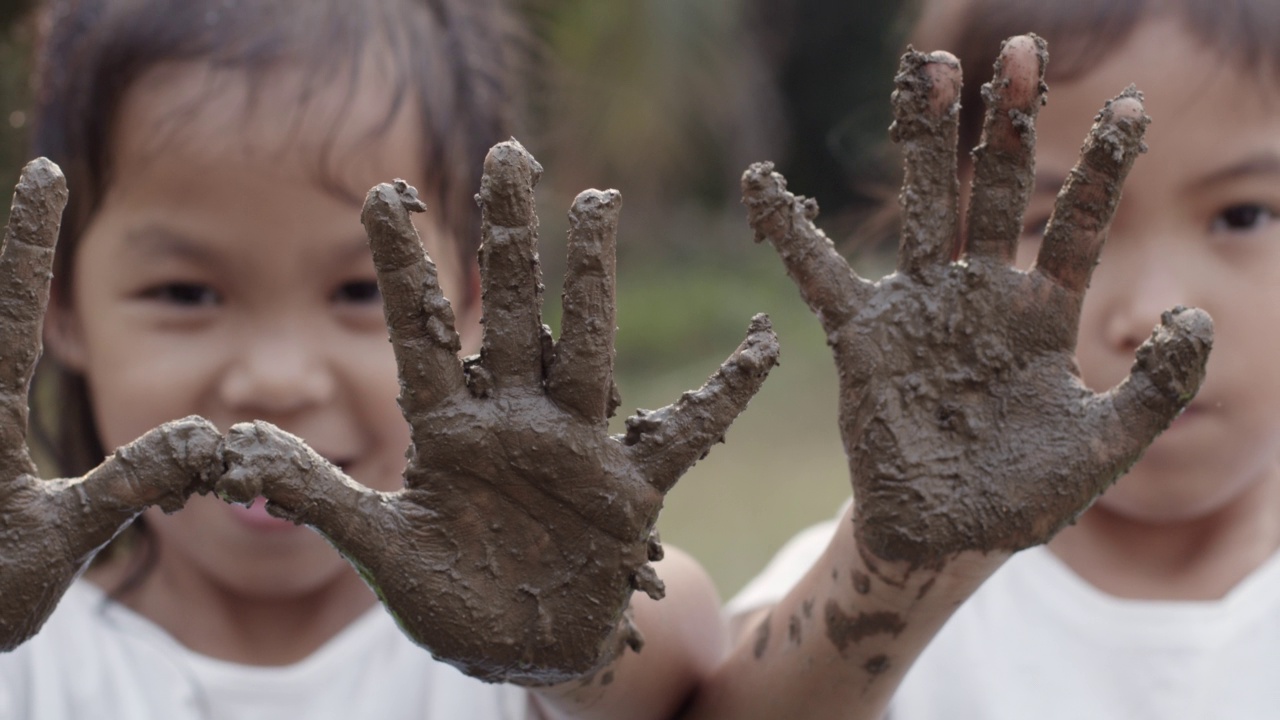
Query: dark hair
(1083,33)
(454,58)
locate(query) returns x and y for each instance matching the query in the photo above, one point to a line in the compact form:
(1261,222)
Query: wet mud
(962,413)
(845,630)
(51,529)
(523,527)
(762,636)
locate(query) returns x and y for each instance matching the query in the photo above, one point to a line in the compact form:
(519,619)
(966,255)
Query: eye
(358,292)
(183,294)
(1243,218)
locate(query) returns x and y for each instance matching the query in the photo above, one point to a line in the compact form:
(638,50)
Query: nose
(276,371)
(1148,280)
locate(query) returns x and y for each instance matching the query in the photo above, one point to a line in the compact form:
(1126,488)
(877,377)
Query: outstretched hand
(963,415)
(50,529)
(523,526)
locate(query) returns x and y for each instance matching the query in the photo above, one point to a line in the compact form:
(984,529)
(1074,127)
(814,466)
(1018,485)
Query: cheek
(137,383)
(373,387)
(458,280)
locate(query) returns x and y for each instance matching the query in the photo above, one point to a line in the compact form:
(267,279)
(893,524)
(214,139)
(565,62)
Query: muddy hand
(49,529)
(966,424)
(523,526)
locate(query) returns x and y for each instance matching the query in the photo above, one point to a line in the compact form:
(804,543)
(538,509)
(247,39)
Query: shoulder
(1035,620)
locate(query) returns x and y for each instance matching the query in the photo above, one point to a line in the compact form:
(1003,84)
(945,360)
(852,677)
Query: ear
(63,333)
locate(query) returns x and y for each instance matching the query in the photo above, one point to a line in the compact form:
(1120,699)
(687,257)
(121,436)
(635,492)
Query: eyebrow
(1265,163)
(155,240)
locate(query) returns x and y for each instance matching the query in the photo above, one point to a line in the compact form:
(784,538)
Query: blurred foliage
(834,63)
(672,100)
(15,88)
(671,96)
(669,101)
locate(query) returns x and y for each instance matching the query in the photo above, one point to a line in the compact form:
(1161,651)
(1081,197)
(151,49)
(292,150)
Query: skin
(270,312)
(1198,226)
(51,529)
(172,291)
(510,450)
(968,431)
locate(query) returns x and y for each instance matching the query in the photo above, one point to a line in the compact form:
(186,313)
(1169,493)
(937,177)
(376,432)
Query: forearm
(684,639)
(840,642)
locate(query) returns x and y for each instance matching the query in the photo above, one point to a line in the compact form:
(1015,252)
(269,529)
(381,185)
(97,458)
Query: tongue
(256,516)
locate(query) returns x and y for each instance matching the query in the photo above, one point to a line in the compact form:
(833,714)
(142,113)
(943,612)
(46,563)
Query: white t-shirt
(1037,641)
(98,659)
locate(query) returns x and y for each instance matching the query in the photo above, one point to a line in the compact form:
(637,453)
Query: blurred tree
(672,96)
(15,87)
(834,62)
(671,100)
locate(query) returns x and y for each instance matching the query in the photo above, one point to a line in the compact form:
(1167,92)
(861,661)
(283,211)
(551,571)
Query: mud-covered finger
(581,374)
(26,268)
(265,463)
(512,350)
(1004,161)
(926,111)
(418,315)
(827,284)
(1166,374)
(665,443)
(56,527)
(162,468)
(1078,227)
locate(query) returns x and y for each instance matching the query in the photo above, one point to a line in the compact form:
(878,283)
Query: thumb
(1166,374)
(163,467)
(263,461)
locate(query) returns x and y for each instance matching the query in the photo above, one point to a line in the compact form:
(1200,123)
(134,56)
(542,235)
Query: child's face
(220,278)
(1199,225)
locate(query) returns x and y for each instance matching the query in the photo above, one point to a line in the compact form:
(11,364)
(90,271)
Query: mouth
(255,517)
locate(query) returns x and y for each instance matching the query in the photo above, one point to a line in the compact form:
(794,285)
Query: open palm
(523,526)
(965,421)
(51,529)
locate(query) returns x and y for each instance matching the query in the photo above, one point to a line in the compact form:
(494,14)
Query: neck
(1200,558)
(250,630)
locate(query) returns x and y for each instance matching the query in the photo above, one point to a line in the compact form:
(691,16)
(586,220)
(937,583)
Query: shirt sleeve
(786,568)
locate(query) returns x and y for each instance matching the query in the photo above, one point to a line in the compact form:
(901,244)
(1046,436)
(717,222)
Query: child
(1160,602)
(211,262)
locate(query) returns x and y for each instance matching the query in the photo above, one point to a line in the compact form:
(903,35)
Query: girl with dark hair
(212,262)
(1161,600)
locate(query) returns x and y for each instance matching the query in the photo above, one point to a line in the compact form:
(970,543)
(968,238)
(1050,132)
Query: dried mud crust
(962,413)
(50,529)
(523,527)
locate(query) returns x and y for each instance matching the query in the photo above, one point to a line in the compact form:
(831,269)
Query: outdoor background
(668,102)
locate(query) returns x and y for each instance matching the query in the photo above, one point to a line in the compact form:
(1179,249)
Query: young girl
(212,262)
(1160,602)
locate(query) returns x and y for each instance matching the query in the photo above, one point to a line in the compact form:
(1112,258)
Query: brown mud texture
(523,527)
(963,416)
(50,529)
